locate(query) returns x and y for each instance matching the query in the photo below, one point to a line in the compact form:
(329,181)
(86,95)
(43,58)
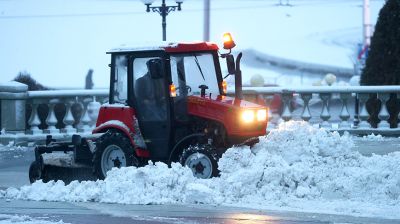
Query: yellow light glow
(248,116)
(224,87)
(172,90)
(227,37)
(262,115)
(228,41)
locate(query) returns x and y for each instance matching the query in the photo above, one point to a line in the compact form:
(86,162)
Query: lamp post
(163,10)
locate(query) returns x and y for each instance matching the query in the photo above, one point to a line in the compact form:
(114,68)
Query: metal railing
(28,116)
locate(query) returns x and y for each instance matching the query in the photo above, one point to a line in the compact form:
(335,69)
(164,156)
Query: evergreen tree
(383,63)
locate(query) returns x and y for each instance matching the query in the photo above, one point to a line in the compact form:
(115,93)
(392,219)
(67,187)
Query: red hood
(227,111)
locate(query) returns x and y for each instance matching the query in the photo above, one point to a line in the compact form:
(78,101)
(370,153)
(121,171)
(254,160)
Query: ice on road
(296,167)
(15,219)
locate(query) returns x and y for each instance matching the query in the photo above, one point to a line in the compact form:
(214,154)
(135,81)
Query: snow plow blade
(66,161)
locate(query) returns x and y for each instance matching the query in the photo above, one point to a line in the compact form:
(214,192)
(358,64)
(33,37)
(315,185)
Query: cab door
(150,98)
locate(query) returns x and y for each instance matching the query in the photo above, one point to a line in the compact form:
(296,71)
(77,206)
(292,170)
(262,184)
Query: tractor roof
(181,47)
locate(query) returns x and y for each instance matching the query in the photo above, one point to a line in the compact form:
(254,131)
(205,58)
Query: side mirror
(230,64)
(155,68)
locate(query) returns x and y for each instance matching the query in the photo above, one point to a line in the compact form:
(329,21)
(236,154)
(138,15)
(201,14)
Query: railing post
(383,113)
(93,110)
(271,125)
(85,119)
(325,115)
(287,99)
(34,120)
(306,114)
(398,115)
(344,112)
(51,118)
(364,115)
(68,118)
(12,102)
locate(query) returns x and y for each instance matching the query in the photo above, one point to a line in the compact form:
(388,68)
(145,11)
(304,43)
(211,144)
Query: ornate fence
(336,108)
(27,117)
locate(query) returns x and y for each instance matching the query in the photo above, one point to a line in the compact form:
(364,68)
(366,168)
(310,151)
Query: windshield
(189,71)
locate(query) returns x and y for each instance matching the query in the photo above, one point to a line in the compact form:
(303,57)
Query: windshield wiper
(198,66)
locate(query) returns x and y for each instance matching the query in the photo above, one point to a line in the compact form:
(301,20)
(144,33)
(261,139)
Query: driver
(147,91)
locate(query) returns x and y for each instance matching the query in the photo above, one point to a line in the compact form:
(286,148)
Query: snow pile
(14,219)
(373,137)
(152,184)
(298,165)
(295,167)
(11,148)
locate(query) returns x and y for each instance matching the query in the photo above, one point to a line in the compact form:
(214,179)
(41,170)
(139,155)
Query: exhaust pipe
(238,78)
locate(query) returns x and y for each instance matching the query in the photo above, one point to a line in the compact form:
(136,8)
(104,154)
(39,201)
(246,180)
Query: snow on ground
(15,219)
(11,147)
(296,167)
(57,41)
(373,137)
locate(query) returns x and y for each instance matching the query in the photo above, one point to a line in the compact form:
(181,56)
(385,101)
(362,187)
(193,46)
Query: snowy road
(114,213)
(13,173)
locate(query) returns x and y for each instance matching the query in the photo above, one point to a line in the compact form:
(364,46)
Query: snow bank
(11,148)
(14,219)
(296,167)
(373,137)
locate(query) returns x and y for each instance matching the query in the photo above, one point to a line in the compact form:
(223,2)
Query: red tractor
(166,103)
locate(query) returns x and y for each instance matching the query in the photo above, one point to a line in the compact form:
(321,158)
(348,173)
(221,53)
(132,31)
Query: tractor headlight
(262,115)
(248,116)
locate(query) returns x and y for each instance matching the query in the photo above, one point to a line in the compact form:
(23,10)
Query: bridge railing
(28,116)
(77,111)
(330,107)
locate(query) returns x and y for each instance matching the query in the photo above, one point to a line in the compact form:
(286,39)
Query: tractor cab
(156,83)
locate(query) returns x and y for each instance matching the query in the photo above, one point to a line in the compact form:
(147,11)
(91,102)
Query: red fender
(120,118)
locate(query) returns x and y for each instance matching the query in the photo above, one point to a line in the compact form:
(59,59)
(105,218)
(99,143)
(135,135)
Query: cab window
(189,71)
(121,79)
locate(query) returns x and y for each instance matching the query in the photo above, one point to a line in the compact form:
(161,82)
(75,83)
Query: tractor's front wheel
(114,149)
(35,172)
(201,159)
(38,171)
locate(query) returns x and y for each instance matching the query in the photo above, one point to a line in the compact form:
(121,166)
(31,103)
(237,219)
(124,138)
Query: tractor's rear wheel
(201,159)
(113,149)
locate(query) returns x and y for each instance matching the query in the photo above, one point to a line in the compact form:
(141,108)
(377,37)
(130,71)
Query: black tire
(198,158)
(118,140)
(35,172)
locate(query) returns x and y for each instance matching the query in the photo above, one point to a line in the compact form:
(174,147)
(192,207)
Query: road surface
(13,173)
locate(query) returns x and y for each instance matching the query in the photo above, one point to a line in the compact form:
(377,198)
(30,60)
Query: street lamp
(163,10)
